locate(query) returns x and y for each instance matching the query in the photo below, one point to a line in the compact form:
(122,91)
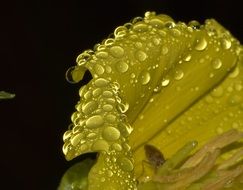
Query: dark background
(39,40)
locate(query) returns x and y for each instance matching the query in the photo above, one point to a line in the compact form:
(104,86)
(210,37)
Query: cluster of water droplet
(140,58)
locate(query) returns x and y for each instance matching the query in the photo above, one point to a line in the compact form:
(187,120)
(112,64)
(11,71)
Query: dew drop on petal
(140,55)
(76,139)
(122,66)
(117,51)
(165,82)
(100,145)
(111,134)
(226,43)
(125,164)
(201,44)
(94,121)
(144,77)
(216,63)
(179,74)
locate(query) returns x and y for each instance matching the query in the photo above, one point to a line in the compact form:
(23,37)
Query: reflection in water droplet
(122,66)
(89,107)
(101,82)
(140,55)
(144,77)
(165,82)
(94,121)
(201,44)
(75,74)
(111,133)
(117,51)
(216,63)
(179,74)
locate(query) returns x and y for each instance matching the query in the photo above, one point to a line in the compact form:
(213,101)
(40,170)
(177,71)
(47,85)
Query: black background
(39,40)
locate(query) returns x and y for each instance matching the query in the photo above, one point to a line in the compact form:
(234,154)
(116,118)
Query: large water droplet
(107,94)
(122,66)
(110,118)
(89,107)
(140,55)
(111,133)
(117,51)
(94,121)
(76,139)
(144,77)
(96,92)
(102,54)
(140,27)
(75,74)
(216,63)
(117,147)
(67,135)
(107,107)
(201,44)
(125,164)
(101,82)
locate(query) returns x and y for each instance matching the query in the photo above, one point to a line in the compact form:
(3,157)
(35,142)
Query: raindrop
(107,94)
(110,118)
(165,82)
(99,70)
(122,66)
(216,63)
(102,54)
(91,135)
(125,164)
(67,135)
(75,74)
(179,74)
(144,77)
(156,23)
(96,92)
(89,107)
(107,107)
(76,139)
(94,121)
(111,133)
(117,147)
(117,51)
(101,82)
(226,43)
(164,50)
(140,27)
(140,55)
(201,44)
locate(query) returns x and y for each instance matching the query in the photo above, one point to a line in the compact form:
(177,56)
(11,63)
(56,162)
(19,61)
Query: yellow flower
(166,85)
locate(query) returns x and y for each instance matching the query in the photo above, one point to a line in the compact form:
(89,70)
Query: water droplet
(194,24)
(109,173)
(217,92)
(89,107)
(117,51)
(156,41)
(226,43)
(140,27)
(75,74)
(165,82)
(140,55)
(101,82)
(88,95)
(76,139)
(111,134)
(100,145)
(94,121)
(67,135)
(65,148)
(176,32)
(187,58)
(179,74)
(125,129)
(216,63)
(234,73)
(102,54)
(82,90)
(125,164)
(120,31)
(132,75)
(107,94)
(122,66)
(123,107)
(201,44)
(96,92)
(99,70)
(156,23)
(164,50)
(117,147)
(144,77)
(110,118)
(107,107)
